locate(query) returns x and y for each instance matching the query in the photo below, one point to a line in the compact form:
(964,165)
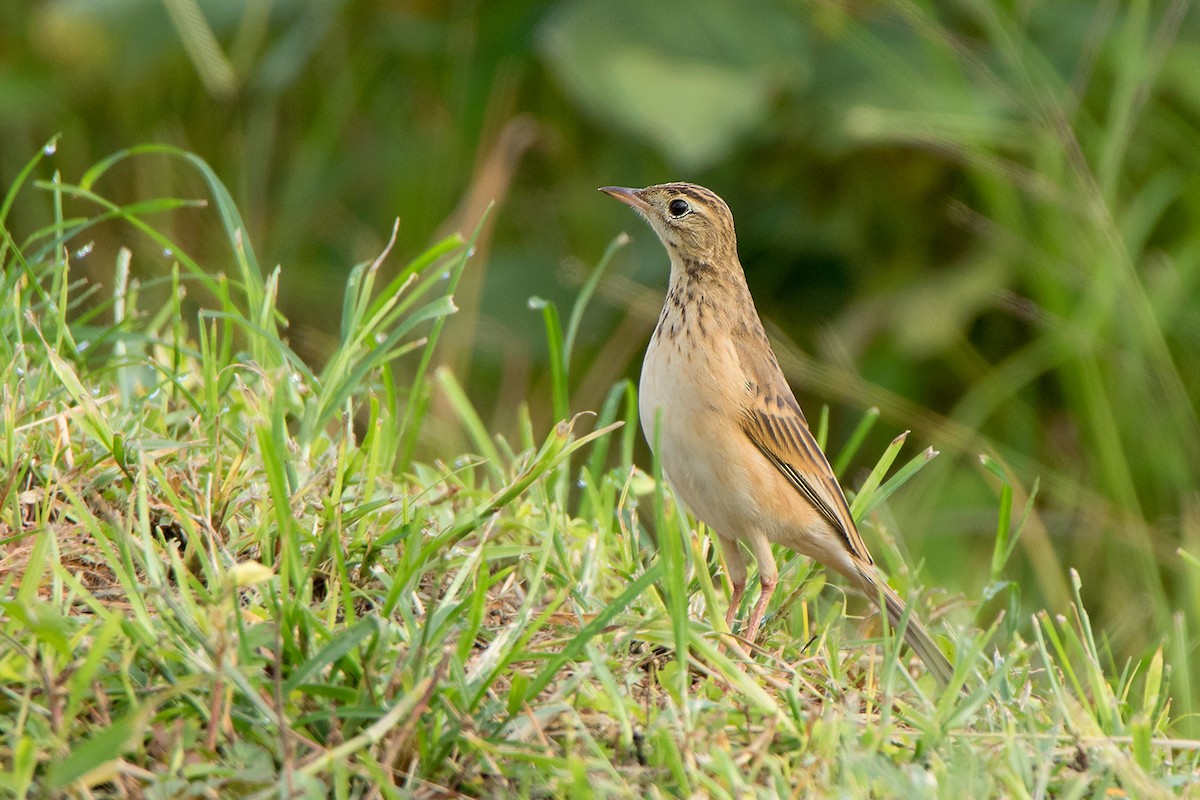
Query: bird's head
(693,223)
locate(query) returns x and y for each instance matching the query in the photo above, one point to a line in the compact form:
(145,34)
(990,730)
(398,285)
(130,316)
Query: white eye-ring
(678,207)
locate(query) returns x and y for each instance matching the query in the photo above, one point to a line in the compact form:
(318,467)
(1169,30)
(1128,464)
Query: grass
(225,574)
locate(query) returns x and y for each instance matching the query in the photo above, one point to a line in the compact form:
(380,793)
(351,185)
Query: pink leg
(735,600)
(735,568)
(768,577)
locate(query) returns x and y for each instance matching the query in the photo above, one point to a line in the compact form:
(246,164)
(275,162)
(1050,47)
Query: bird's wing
(774,423)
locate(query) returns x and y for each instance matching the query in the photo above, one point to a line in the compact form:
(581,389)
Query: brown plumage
(733,440)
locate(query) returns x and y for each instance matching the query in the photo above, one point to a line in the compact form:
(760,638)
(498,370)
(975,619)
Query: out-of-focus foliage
(982,217)
(693,84)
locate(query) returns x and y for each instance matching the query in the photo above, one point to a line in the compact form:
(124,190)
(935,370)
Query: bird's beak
(630,197)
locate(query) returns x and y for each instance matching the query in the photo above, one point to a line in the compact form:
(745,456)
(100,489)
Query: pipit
(732,438)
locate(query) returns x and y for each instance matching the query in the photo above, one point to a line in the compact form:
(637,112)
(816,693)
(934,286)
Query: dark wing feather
(774,423)
(787,443)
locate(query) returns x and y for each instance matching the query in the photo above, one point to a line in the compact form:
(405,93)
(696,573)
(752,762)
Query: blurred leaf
(202,47)
(930,316)
(692,80)
(47,623)
(339,646)
(95,752)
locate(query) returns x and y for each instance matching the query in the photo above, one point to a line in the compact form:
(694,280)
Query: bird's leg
(768,576)
(735,600)
(735,568)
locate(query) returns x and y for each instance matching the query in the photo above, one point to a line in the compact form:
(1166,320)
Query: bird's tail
(914,632)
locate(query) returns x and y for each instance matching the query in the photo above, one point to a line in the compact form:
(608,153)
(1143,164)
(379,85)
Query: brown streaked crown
(691,221)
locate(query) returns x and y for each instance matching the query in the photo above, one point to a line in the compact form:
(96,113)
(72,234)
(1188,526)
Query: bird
(731,438)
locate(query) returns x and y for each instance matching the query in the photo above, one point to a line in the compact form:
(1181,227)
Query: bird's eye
(678,207)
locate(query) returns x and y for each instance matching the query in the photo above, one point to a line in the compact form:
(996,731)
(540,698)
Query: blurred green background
(982,218)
